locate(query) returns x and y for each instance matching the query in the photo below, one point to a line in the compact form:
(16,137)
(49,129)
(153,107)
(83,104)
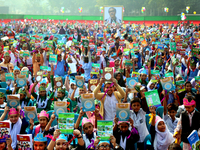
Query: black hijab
(121,81)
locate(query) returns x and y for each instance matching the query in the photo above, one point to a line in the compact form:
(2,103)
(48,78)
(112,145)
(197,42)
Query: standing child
(189,121)
(160,135)
(138,116)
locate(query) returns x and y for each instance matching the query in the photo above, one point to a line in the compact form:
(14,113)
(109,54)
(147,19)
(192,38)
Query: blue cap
(16,68)
(39,138)
(43,81)
(62,137)
(144,71)
(165,46)
(153,42)
(147,49)
(103,49)
(104,142)
(136,56)
(49,69)
(114,54)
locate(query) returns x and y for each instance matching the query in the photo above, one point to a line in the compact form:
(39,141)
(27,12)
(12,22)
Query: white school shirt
(110,107)
(170,124)
(140,123)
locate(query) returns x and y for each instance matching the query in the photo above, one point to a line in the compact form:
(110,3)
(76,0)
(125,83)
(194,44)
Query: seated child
(170,118)
(18,125)
(124,137)
(2,99)
(160,135)
(43,118)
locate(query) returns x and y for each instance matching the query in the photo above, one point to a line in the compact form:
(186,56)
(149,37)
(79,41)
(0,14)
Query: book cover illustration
(123,111)
(58,82)
(66,123)
(24,142)
(4,130)
(31,113)
(88,102)
(60,107)
(108,73)
(152,98)
(79,81)
(105,129)
(13,100)
(9,78)
(92,84)
(193,139)
(167,84)
(21,80)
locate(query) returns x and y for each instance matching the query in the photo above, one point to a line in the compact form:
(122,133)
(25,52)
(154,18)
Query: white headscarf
(148,86)
(162,139)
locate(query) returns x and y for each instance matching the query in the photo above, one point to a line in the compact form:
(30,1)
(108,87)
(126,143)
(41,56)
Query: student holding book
(18,124)
(189,121)
(110,98)
(6,145)
(40,142)
(6,66)
(124,137)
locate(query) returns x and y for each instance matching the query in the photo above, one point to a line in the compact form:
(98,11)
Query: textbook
(66,123)
(92,84)
(95,68)
(60,107)
(167,84)
(180,85)
(21,80)
(108,73)
(123,111)
(4,130)
(131,82)
(53,59)
(58,82)
(104,129)
(24,142)
(88,102)
(31,113)
(13,100)
(152,98)
(9,78)
(79,81)
(193,139)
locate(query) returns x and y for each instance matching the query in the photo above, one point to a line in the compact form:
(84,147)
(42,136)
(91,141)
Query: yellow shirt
(36,65)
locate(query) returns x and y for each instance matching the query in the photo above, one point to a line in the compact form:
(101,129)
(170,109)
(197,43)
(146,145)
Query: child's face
(160,63)
(42,93)
(179,78)
(14,118)
(172,113)
(38,59)
(88,128)
(152,85)
(22,96)
(123,127)
(143,77)
(61,144)
(2,145)
(111,89)
(60,94)
(43,121)
(39,145)
(16,72)
(147,52)
(117,63)
(43,84)
(72,86)
(81,91)
(136,106)
(161,126)
(190,108)
(2,100)
(118,77)
(188,87)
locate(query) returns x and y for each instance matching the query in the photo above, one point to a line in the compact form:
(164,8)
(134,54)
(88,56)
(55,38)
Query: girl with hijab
(118,76)
(161,136)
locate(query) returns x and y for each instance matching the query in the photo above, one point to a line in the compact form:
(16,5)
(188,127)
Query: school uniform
(140,123)
(170,123)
